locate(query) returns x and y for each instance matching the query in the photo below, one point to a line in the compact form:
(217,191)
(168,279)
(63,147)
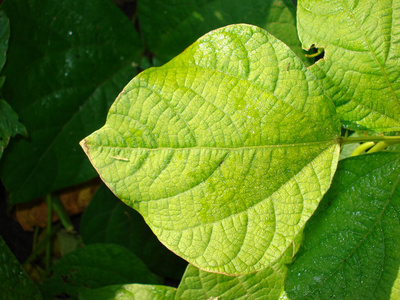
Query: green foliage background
(64,63)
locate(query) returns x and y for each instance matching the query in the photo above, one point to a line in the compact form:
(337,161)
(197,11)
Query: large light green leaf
(351,246)
(66,62)
(14,283)
(225,151)
(362,49)
(130,292)
(169,27)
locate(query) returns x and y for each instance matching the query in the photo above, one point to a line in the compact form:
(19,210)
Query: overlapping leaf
(108,220)
(130,292)
(9,125)
(169,27)
(225,151)
(4,36)
(14,283)
(351,246)
(198,284)
(95,266)
(66,62)
(362,49)
(266,284)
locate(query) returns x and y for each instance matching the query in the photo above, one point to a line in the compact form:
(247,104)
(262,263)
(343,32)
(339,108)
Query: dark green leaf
(4,36)
(9,125)
(108,220)
(14,283)
(95,266)
(66,63)
(351,246)
(170,26)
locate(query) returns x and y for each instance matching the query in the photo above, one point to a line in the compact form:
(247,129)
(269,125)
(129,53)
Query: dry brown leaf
(75,200)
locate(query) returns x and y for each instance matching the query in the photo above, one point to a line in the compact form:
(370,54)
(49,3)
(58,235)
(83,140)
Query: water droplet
(317,278)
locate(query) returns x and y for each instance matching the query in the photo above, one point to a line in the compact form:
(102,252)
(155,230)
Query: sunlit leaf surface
(360,70)
(225,151)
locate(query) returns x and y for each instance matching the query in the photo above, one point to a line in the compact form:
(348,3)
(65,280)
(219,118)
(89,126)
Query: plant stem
(62,214)
(42,244)
(360,149)
(319,51)
(378,147)
(387,139)
(35,237)
(48,231)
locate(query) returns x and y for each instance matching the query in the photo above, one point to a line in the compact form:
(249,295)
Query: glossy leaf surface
(362,50)
(14,282)
(9,124)
(66,63)
(95,266)
(351,245)
(130,292)
(225,151)
(4,36)
(170,27)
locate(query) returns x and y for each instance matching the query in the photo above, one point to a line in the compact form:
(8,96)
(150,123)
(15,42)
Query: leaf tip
(84,146)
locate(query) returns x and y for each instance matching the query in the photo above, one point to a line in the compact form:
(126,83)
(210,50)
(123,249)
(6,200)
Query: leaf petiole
(380,146)
(363,147)
(390,140)
(319,51)
(59,208)
(49,203)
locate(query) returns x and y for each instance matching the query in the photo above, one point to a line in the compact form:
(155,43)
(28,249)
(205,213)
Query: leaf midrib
(304,144)
(266,197)
(313,117)
(254,83)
